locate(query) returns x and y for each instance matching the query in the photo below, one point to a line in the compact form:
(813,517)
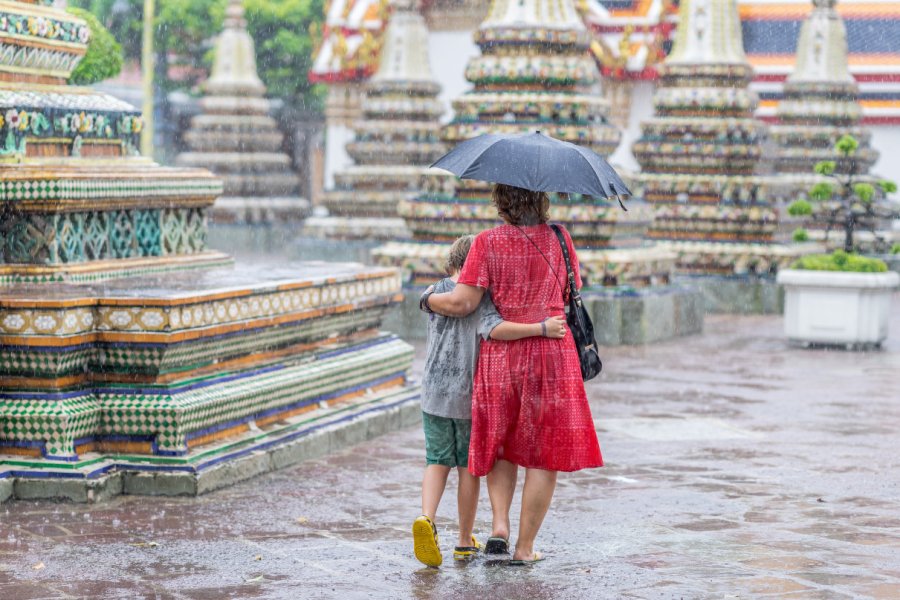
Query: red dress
(528,406)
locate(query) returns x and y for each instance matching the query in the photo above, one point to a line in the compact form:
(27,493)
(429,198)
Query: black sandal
(497,545)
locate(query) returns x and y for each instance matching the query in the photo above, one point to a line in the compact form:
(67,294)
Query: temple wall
(641,109)
(886,139)
(448,52)
(337,135)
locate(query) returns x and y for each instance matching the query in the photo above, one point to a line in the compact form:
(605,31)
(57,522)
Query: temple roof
(518,13)
(352,29)
(631,37)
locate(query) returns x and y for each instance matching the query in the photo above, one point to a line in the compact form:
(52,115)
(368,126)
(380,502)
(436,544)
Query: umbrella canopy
(535,162)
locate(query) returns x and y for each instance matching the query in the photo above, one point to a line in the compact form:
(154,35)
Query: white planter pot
(827,307)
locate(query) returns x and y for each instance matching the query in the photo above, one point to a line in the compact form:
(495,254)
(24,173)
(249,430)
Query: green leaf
(103,59)
(825,167)
(846,145)
(800,208)
(800,235)
(887,186)
(864,191)
(821,191)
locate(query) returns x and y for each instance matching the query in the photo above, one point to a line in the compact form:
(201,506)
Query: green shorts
(446,440)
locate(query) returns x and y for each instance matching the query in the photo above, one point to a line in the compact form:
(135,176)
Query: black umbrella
(535,162)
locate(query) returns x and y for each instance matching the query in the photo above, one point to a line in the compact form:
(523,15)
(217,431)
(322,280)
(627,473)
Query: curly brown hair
(518,206)
(456,258)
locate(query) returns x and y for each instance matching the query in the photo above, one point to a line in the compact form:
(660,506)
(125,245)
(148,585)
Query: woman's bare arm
(554,327)
(459,302)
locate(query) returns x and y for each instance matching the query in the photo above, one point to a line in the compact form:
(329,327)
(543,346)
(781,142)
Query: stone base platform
(165,370)
(621,316)
(330,427)
(737,294)
(355,228)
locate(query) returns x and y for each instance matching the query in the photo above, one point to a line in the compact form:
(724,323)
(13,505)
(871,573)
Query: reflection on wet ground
(736,468)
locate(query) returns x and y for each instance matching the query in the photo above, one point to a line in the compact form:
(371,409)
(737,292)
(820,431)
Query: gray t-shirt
(450,356)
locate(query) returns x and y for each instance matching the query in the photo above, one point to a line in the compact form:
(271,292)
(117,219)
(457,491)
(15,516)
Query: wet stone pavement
(737,467)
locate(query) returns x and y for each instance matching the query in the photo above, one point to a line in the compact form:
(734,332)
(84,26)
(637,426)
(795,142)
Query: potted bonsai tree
(840,298)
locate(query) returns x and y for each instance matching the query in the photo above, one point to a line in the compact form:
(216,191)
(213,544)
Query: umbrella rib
(585,159)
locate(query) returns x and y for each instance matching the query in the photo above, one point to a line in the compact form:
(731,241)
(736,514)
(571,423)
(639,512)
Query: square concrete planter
(828,307)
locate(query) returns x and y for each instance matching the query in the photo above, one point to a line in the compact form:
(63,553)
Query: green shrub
(800,208)
(840,261)
(895,249)
(800,235)
(103,58)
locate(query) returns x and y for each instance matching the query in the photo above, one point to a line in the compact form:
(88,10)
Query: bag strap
(573,288)
(547,260)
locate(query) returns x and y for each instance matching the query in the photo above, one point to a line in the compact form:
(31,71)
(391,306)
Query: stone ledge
(319,440)
(641,316)
(646,315)
(749,295)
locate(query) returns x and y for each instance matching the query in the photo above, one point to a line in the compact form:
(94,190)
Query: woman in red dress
(529,408)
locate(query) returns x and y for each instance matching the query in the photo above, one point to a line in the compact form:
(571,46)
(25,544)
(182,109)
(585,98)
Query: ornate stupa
(534,73)
(235,137)
(397,138)
(132,357)
(821,100)
(700,151)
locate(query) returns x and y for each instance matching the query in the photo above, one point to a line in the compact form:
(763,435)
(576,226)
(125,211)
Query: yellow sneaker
(467,552)
(425,541)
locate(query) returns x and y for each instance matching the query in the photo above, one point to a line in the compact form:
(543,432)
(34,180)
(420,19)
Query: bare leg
(467,503)
(536,496)
(501,483)
(433,484)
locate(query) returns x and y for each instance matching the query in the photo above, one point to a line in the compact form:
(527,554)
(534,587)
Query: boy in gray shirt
(451,353)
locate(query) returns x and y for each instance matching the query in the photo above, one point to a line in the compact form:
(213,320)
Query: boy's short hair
(456,258)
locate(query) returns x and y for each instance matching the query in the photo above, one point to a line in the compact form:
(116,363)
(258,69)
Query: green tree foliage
(800,208)
(800,235)
(185,30)
(852,202)
(284,48)
(103,58)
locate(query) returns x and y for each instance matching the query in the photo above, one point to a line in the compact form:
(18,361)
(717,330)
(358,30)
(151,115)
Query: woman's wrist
(544,328)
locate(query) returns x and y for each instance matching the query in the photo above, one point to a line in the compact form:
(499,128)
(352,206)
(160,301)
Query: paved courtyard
(737,467)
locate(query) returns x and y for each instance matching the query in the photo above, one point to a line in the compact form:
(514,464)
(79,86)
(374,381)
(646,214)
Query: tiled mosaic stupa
(534,73)
(396,139)
(236,139)
(128,347)
(700,152)
(821,100)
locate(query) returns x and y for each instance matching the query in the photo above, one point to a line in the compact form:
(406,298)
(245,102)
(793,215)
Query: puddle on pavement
(673,430)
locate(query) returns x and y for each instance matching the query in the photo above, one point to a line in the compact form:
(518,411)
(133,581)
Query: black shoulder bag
(576,315)
(579,321)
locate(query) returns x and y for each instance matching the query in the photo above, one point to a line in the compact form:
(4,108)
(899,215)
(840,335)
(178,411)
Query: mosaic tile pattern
(170,415)
(29,238)
(50,424)
(31,190)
